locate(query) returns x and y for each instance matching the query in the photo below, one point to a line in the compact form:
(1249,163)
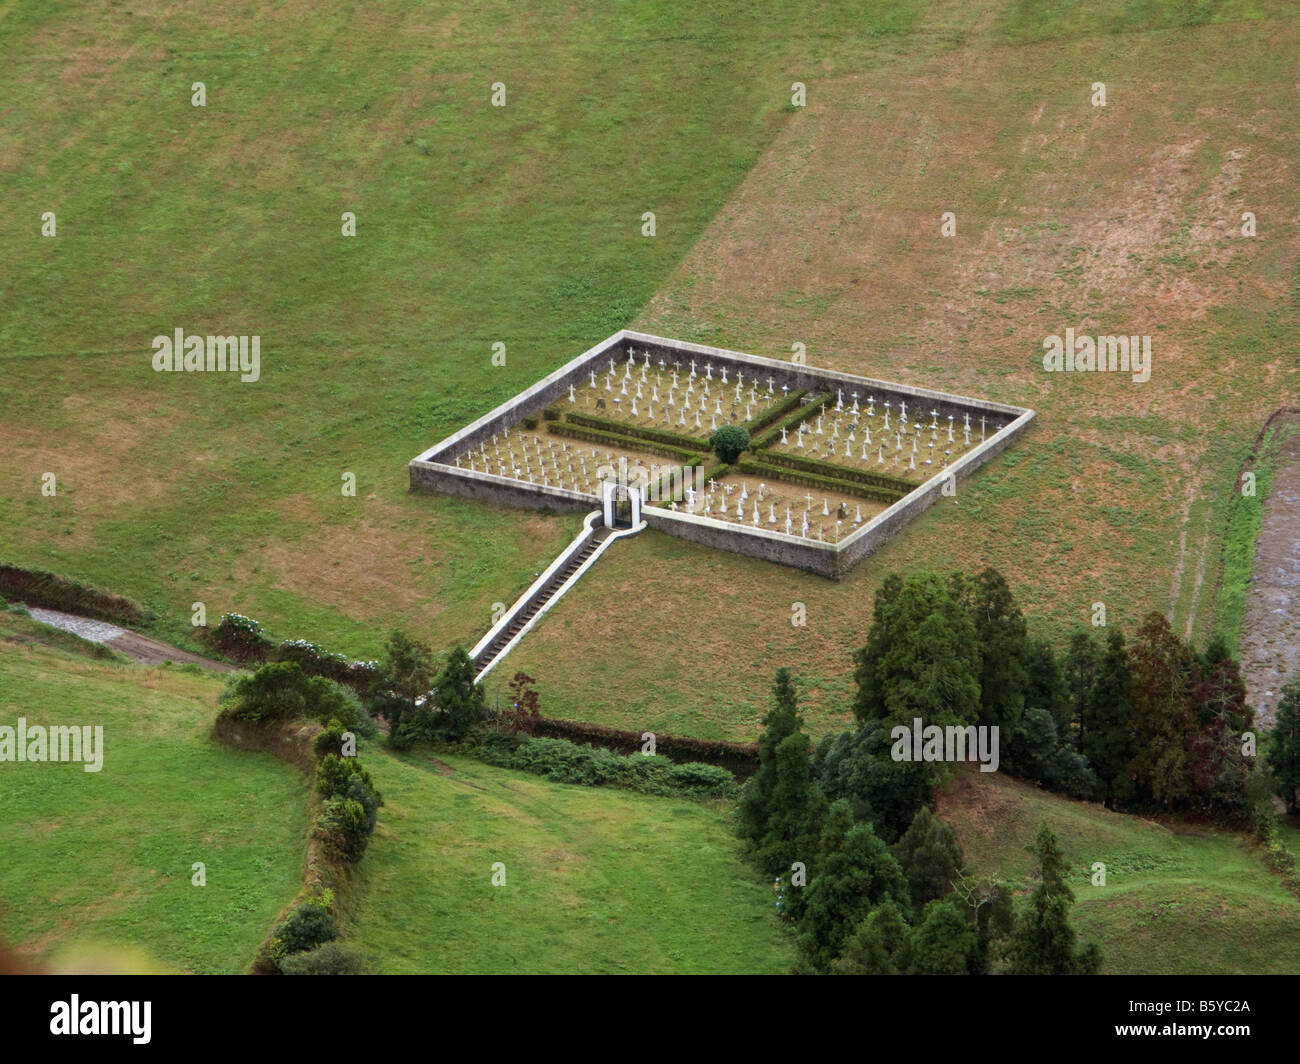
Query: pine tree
(1042,942)
(942,944)
(1003,646)
(796,811)
(458,697)
(782,721)
(1109,742)
(1045,683)
(878,945)
(930,856)
(1080,674)
(1165,674)
(1219,769)
(859,876)
(922,657)
(1284,750)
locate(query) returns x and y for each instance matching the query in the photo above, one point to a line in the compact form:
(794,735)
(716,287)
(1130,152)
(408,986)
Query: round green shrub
(729,442)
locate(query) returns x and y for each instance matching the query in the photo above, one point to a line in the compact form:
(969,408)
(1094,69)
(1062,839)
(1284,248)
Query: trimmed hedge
(812,480)
(779,409)
(38,587)
(627,443)
(738,758)
(838,472)
(592,766)
(773,433)
(637,432)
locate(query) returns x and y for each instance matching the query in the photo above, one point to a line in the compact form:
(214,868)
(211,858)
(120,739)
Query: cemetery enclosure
(820,506)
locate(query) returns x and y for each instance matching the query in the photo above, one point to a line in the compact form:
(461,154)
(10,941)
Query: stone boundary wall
(429,473)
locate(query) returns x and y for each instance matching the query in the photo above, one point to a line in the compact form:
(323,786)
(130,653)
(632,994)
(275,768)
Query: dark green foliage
(799,412)
(1045,682)
(330,741)
(797,807)
(309,925)
(893,487)
(942,944)
(404,675)
(922,657)
(642,433)
(930,857)
(1284,749)
(879,945)
(1219,769)
(1109,742)
(625,440)
(1165,674)
(781,721)
(858,877)
(775,411)
(343,828)
(458,698)
(328,699)
(278,691)
(240,637)
(886,793)
(1081,661)
(990,909)
(1043,942)
(728,442)
(767,469)
(1036,753)
(1000,629)
(331,958)
(592,766)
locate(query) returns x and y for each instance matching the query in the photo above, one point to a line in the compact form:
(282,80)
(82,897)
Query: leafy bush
(530,422)
(342,829)
(330,741)
(278,691)
(241,637)
(332,958)
(308,926)
(334,773)
(698,778)
(566,763)
(767,471)
(330,700)
(728,442)
(551,413)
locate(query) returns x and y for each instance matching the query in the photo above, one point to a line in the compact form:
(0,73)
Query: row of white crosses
(832,449)
(691,409)
(753,513)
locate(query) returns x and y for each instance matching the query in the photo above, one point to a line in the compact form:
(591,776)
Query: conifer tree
(782,721)
(1284,751)
(1108,744)
(930,857)
(1043,942)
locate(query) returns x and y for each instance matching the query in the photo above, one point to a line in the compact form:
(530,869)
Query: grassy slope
(597,881)
(1174,902)
(476,224)
(1123,219)
(522,224)
(107,856)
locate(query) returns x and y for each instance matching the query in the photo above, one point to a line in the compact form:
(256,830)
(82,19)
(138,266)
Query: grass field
(597,880)
(1185,901)
(93,858)
(521,224)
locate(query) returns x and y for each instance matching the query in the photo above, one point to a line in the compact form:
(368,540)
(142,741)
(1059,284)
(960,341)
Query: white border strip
(523,600)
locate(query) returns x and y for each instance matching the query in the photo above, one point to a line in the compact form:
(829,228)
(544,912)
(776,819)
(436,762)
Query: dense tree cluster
(877,883)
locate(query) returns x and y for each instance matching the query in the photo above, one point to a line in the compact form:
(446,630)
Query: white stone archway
(611,492)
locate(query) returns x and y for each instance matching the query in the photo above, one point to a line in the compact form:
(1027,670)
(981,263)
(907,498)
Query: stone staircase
(544,593)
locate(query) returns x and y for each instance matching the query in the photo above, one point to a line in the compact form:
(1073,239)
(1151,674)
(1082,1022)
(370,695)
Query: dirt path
(1270,635)
(133,645)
